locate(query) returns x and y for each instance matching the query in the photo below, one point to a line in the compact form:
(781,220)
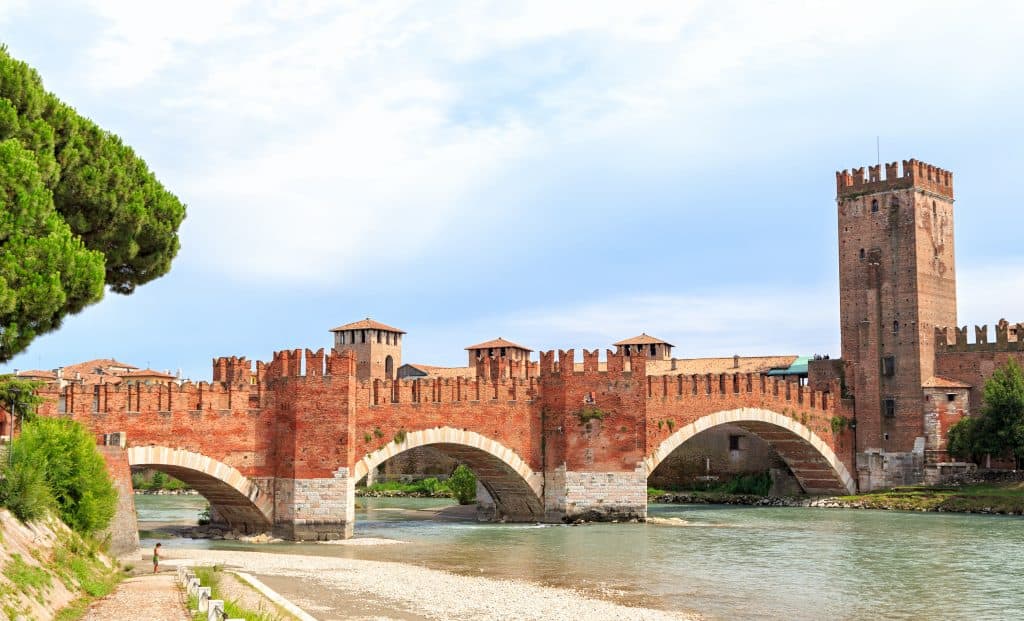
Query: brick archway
(234,496)
(811,459)
(512,484)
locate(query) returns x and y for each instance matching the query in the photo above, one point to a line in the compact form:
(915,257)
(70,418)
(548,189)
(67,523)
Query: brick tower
(378,347)
(896,284)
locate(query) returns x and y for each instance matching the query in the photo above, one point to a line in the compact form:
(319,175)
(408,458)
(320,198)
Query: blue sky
(560,174)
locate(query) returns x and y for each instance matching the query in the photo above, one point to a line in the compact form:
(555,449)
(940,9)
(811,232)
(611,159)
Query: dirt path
(154,598)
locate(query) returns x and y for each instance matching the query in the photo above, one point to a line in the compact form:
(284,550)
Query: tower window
(888,366)
(950,396)
(895,327)
(935,210)
(862,254)
(378,336)
(874,205)
(734,443)
(890,407)
(652,349)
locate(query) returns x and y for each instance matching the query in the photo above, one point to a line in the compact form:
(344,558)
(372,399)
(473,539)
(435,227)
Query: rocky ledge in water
(167,492)
(223,532)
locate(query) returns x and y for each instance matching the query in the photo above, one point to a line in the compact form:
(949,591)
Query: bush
(463,485)
(65,453)
(23,490)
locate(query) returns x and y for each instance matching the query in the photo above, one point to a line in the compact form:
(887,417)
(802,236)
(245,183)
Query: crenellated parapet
(442,390)
(1008,337)
(615,366)
(719,385)
(916,174)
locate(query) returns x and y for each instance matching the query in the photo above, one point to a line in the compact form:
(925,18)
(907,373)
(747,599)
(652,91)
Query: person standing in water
(156,558)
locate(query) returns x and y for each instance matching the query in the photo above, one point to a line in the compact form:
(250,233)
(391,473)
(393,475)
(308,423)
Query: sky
(562,174)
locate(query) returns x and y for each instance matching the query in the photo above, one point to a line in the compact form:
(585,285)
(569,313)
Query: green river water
(723,563)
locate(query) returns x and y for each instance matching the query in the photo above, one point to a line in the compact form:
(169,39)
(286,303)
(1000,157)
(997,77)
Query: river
(719,562)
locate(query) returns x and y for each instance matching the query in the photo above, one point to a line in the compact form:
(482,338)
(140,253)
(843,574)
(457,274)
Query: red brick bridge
(282,448)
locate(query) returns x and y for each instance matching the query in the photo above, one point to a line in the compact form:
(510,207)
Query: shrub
(400,436)
(463,485)
(588,413)
(23,490)
(65,453)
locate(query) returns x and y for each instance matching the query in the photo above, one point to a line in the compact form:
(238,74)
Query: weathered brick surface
(288,446)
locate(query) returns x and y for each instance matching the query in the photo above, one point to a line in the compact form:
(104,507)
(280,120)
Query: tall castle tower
(896,284)
(378,347)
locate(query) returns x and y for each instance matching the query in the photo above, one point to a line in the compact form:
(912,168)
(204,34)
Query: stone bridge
(283,448)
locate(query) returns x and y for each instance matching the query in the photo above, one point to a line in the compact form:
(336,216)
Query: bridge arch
(513,485)
(233,495)
(815,465)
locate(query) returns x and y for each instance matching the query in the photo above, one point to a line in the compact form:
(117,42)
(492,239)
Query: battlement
(1008,337)
(616,364)
(724,384)
(233,370)
(445,390)
(308,363)
(916,174)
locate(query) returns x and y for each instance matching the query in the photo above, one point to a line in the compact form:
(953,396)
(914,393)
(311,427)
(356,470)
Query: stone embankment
(167,492)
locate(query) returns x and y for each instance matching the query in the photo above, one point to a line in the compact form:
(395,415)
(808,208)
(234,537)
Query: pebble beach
(337,588)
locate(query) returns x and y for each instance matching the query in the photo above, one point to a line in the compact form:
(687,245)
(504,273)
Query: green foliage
(429,486)
(65,452)
(999,429)
(79,209)
(24,490)
(377,432)
(205,516)
(589,412)
(463,485)
(400,436)
(367,437)
(755,484)
(671,424)
(21,391)
(838,424)
(152,480)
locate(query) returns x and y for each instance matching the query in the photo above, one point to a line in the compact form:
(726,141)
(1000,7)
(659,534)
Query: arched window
(874,205)
(389,367)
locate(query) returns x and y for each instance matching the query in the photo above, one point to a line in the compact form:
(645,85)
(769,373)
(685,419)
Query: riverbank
(995,497)
(344,588)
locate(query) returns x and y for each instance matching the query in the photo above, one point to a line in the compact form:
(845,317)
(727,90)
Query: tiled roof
(643,339)
(936,381)
(366,324)
(431,370)
(101,370)
(36,374)
(498,342)
(699,366)
(149,373)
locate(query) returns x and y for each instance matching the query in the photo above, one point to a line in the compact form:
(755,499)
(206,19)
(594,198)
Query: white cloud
(745,320)
(319,137)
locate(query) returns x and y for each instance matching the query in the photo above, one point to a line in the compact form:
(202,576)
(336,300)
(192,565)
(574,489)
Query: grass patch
(982,497)
(211,577)
(424,487)
(28,579)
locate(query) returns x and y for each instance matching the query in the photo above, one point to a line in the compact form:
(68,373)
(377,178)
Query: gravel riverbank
(339,588)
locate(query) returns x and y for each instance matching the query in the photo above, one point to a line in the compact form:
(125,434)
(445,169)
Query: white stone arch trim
(449,435)
(742,415)
(179,458)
